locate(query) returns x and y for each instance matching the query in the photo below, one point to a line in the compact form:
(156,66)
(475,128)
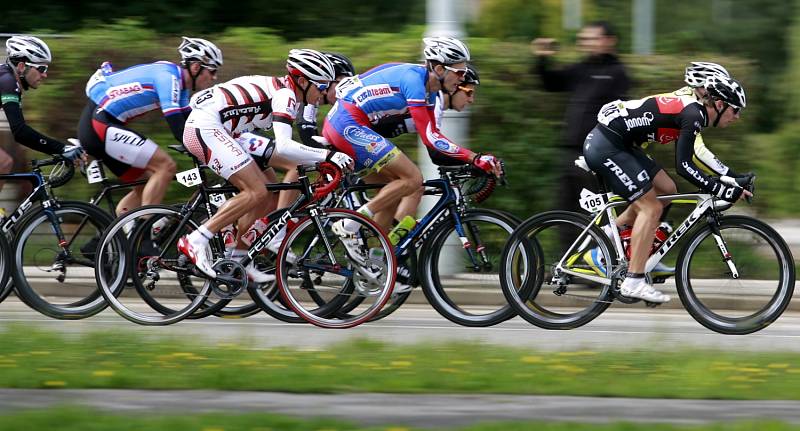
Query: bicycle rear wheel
(326,270)
(765,276)
(546,295)
(153,263)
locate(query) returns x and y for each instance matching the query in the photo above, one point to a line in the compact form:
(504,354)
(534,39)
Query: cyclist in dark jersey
(27,61)
(613,150)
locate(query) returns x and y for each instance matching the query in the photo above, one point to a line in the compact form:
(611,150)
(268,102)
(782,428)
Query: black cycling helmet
(341,64)
(726,89)
(471,77)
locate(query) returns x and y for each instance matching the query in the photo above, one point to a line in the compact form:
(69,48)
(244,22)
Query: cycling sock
(351,225)
(199,237)
(366,211)
(634,275)
(207,234)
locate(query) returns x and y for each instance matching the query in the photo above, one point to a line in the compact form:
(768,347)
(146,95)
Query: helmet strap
(719,113)
(21,76)
(187,66)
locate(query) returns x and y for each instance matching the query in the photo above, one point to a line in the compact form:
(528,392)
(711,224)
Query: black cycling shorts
(625,169)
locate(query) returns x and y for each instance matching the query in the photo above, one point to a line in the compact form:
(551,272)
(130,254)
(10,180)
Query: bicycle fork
(723,249)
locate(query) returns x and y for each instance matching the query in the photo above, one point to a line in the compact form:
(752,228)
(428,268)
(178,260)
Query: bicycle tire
(116,261)
(539,250)
(702,285)
(448,295)
(36,250)
(344,278)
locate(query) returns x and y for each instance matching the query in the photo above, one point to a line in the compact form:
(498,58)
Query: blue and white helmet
(28,48)
(445,50)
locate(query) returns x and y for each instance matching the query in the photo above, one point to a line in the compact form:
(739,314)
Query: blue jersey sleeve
(171,95)
(412,87)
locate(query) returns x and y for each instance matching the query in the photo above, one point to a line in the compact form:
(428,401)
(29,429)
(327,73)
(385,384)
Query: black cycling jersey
(11,100)
(665,119)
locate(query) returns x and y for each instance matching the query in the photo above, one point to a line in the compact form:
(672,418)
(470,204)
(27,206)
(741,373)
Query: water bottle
(402,229)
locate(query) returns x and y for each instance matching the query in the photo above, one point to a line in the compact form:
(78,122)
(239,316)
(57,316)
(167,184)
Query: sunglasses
(41,68)
(459,72)
(321,86)
(211,69)
(735,109)
(468,91)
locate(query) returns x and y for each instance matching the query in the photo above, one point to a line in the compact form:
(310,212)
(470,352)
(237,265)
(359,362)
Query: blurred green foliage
(293,20)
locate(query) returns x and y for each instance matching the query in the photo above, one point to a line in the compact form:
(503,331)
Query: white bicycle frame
(610,201)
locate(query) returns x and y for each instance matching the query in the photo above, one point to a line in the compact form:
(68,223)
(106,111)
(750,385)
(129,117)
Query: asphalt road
(430,411)
(620,327)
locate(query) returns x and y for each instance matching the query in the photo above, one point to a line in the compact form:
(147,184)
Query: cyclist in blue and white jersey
(116,98)
(394,90)
(458,100)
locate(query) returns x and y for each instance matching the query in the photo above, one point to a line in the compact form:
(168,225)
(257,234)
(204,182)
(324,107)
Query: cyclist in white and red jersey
(397,89)
(224,112)
(613,150)
(118,97)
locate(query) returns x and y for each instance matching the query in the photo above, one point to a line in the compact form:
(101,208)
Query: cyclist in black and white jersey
(613,149)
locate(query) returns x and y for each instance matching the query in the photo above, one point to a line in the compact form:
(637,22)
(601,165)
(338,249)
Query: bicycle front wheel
(748,301)
(554,275)
(55,278)
(329,272)
(461,279)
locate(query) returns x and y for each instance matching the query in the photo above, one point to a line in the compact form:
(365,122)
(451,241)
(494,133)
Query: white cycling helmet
(445,50)
(196,49)
(699,71)
(310,64)
(28,48)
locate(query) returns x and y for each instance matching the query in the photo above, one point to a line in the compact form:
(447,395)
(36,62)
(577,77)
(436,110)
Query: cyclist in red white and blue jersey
(397,89)
(116,98)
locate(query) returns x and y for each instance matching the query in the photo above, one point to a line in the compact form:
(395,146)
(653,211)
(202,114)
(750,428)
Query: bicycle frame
(703,204)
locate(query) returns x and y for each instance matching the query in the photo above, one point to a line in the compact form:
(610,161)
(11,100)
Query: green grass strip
(79,419)
(32,358)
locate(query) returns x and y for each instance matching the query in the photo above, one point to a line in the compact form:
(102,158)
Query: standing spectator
(596,80)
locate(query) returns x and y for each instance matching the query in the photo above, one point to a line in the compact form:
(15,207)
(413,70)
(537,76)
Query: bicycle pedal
(652,304)
(660,280)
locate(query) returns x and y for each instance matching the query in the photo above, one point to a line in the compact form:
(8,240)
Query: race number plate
(94,173)
(592,202)
(189,178)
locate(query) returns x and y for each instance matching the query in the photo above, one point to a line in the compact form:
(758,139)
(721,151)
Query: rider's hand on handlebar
(489,164)
(74,153)
(342,160)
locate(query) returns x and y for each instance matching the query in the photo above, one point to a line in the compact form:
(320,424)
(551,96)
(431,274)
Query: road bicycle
(734,273)
(53,246)
(453,252)
(163,275)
